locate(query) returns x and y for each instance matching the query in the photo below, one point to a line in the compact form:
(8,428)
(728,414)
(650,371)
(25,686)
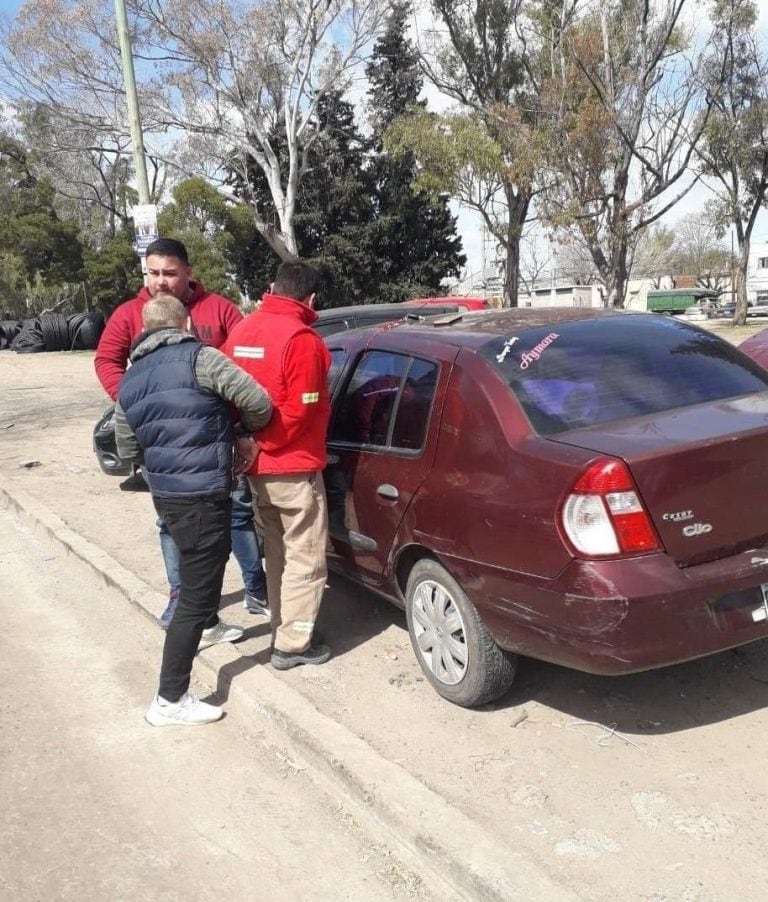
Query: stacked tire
(53,332)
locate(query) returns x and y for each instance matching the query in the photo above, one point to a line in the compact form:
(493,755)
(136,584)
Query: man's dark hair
(296,280)
(168,247)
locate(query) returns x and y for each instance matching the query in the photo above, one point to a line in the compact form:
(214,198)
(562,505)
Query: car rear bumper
(616,617)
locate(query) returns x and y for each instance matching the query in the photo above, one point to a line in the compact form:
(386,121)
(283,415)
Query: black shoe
(255,604)
(315,654)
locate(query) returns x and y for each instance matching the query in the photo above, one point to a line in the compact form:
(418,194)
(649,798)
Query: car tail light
(603,514)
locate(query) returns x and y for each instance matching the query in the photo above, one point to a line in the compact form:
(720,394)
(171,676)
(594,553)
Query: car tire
(454,648)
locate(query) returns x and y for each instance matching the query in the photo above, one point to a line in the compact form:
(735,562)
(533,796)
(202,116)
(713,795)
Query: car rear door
(382,444)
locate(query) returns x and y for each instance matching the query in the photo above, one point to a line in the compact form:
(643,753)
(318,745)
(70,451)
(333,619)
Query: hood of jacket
(278,303)
(156,338)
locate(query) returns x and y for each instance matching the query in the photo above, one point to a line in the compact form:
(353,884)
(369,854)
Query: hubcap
(440,632)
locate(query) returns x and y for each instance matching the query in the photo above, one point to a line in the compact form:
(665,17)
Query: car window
(338,355)
(580,373)
(414,405)
(331,326)
(386,402)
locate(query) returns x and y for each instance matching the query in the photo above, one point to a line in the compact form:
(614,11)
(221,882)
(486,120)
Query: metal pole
(134,120)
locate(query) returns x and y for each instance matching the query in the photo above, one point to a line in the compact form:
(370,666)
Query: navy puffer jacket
(186,431)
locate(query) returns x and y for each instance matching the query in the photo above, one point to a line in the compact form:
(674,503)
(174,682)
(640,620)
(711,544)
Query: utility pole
(144,213)
(134,119)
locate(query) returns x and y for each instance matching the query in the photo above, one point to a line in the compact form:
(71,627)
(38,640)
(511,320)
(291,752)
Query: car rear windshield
(580,373)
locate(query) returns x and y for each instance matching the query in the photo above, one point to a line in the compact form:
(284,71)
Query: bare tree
(698,248)
(236,76)
(535,258)
(61,73)
(574,262)
(626,107)
(735,146)
(91,172)
(652,254)
(222,76)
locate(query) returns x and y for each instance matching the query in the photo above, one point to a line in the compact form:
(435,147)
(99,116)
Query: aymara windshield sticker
(528,357)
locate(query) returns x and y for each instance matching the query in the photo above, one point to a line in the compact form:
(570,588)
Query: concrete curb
(454,856)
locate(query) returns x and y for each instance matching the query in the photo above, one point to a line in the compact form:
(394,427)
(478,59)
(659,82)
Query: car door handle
(388,491)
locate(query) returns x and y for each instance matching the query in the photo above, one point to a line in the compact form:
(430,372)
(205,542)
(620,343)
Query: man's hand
(245,454)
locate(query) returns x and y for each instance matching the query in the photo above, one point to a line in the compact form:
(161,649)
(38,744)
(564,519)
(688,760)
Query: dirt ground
(652,786)
(95,805)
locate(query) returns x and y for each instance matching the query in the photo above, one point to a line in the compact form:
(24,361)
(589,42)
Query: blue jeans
(245,545)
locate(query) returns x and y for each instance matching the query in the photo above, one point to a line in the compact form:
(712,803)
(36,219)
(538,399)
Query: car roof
(474,329)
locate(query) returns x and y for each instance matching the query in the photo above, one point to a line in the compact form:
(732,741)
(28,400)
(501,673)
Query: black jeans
(201,530)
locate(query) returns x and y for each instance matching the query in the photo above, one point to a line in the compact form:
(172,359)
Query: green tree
(36,246)
(335,209)
(201,218)
(414,245)
(113,272)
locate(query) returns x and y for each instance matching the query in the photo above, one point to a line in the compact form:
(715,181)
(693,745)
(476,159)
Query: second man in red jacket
(278,347)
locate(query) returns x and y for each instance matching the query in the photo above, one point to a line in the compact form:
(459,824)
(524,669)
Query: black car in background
(339,319)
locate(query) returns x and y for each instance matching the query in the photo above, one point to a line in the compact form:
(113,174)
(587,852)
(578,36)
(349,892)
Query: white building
(757,273)
(566,295)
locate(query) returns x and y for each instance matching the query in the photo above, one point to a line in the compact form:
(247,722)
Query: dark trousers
(201,530)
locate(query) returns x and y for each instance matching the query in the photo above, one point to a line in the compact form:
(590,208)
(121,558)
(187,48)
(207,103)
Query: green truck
(678,300)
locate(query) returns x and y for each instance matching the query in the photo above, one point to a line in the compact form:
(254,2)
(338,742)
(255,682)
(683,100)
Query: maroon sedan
(582,486)
(756,347)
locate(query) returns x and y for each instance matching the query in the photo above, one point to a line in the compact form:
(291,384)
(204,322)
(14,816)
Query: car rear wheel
(453,647)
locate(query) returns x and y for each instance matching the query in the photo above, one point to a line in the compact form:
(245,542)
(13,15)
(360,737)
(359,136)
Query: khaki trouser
(294,518)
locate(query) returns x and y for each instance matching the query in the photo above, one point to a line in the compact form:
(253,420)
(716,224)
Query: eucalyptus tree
(479,151)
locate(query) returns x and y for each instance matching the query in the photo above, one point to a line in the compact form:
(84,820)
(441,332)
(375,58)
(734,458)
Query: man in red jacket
(277,346)
(210,317)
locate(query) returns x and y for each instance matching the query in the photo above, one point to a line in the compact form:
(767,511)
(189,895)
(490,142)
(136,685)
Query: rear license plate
(761,613)
(741,610)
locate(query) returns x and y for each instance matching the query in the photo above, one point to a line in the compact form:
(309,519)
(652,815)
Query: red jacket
(277,347)
(213,318)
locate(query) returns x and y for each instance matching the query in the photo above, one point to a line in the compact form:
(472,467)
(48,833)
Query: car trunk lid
(700,471)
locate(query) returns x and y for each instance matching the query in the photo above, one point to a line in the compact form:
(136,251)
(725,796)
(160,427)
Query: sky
(477,246)
(9,7)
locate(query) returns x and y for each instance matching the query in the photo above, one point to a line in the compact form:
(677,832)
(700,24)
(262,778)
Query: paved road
(95,804)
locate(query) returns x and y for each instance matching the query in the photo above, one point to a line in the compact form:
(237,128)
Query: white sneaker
(222,632)
(188,711)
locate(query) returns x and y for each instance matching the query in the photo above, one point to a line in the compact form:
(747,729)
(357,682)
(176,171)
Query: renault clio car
(586,487)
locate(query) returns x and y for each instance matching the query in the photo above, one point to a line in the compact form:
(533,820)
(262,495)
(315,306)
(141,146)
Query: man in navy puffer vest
(174,414)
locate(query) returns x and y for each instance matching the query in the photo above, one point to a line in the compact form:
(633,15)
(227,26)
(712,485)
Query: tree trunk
(284,245)
(616,278)
(511,274)
(742,264)
(517,206)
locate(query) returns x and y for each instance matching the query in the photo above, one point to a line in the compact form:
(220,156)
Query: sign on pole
(145,230)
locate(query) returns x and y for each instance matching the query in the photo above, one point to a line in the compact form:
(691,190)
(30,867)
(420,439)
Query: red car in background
(583,486)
